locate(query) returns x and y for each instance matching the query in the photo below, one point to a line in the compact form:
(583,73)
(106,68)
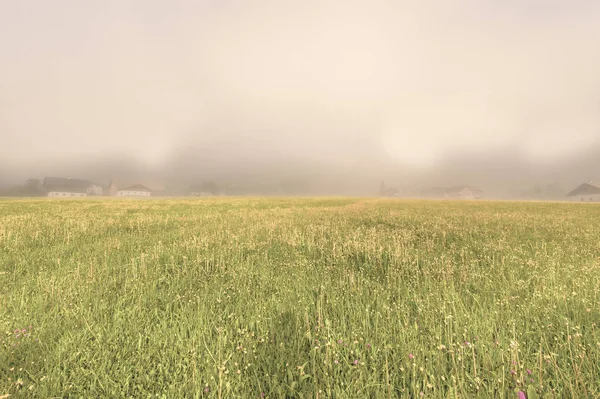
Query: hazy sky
(326,78)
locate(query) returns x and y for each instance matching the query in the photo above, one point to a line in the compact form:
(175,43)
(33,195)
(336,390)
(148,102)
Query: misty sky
(413,79)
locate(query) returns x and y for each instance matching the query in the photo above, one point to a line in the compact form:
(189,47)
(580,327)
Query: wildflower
(528,371)
(513,372)
(355,362)
(262,394)
(336,361)
(521,395)
(368,346)
(340,341)
(411,356)
(206,389)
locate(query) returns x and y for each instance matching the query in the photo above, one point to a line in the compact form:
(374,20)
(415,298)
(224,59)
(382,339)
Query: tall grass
(319,298)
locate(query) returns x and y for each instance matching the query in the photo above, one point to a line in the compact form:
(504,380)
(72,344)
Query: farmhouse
(67,187)
(587,192)
(137,190)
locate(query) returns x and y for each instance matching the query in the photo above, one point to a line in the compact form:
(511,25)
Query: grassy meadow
(299,298)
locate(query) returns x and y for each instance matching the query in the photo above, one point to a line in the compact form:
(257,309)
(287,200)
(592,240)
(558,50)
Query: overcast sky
(413,79)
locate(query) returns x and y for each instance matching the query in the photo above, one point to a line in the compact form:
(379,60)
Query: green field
(299,298)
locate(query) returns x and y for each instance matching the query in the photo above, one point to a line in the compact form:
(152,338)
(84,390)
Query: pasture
(299,298)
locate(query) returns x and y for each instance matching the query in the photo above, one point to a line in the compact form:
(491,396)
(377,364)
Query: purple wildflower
(521,395)
(368,346)
(355,362)
(513,372)
(411,356)
(528,371)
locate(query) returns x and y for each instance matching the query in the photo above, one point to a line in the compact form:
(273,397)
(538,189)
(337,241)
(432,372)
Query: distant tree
(210,187)
(382,188)
(31,188)
(32,183)
(548,191)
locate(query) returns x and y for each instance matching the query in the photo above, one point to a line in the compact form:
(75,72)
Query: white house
(586,192)
(137,190)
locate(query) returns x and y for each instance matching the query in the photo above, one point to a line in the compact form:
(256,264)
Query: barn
(586,192)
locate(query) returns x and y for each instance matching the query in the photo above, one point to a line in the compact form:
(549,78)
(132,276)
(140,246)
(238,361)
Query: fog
(343,94)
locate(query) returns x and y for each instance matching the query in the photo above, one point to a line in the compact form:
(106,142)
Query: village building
(203,190)
(200,194)
(137,190)
(586,192)
(66,187)
(464,193)
(458,192)
(385,191)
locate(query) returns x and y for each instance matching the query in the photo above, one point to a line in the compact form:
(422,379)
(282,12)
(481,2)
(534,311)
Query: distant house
(389,192)
(385,191)
(466,192)
(137,190)
(200,194)
(67,187)
(458,192)
(589,192)
(207,189)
